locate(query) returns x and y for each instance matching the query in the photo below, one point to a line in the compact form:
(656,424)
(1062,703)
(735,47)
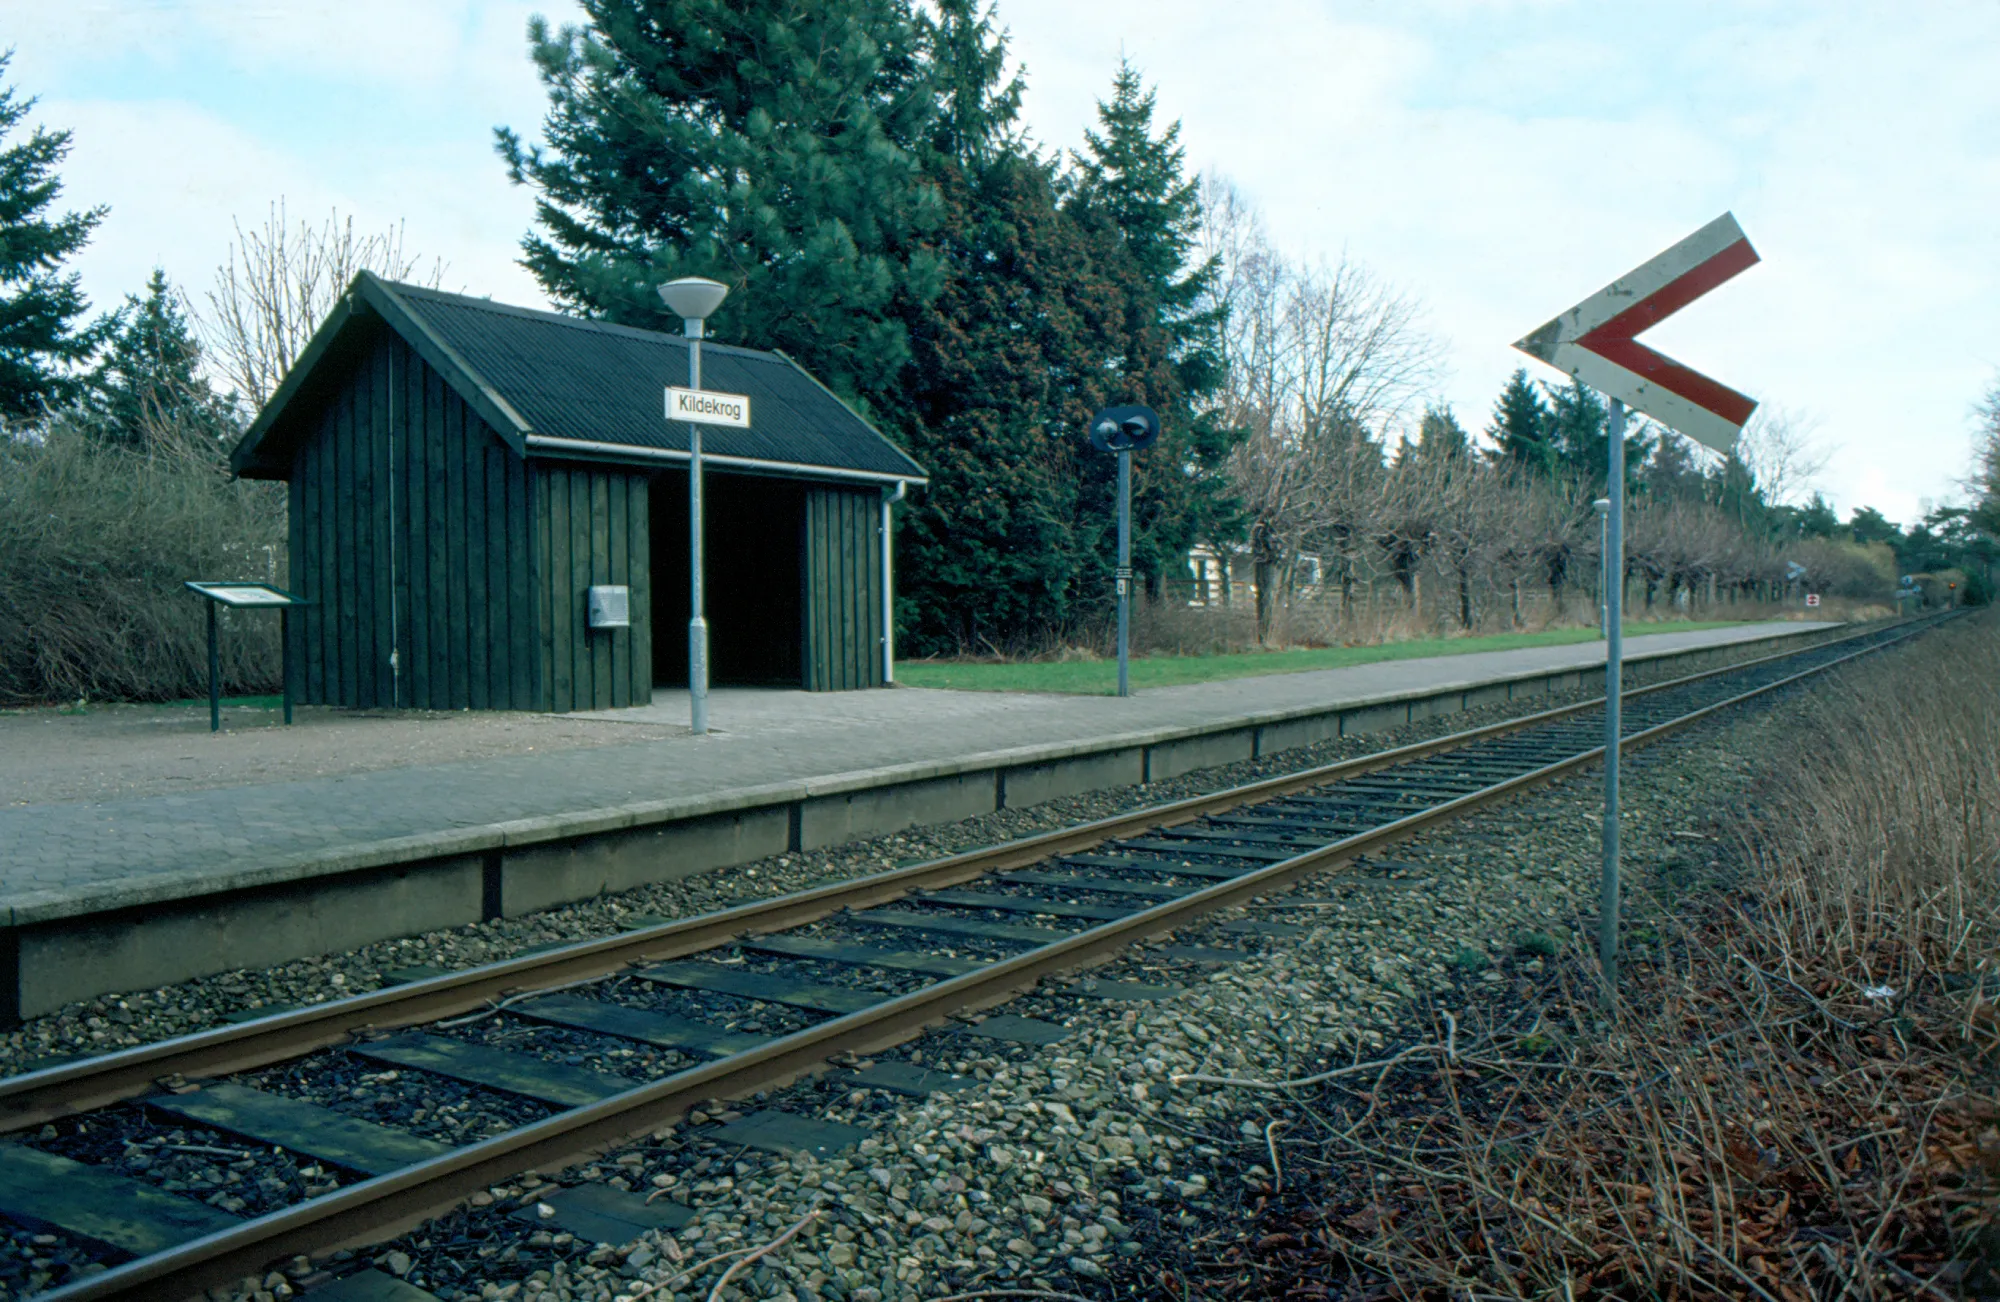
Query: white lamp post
(694,300)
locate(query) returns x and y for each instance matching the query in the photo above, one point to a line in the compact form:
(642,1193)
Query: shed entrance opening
(754,539)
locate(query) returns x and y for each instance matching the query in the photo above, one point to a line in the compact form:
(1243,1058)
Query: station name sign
(706,407)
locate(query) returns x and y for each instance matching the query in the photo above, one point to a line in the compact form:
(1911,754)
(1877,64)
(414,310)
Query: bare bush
(95,543)
(1884,849)
(1794,1099)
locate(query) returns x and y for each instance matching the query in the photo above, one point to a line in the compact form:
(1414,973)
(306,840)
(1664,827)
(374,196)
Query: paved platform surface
(56,856)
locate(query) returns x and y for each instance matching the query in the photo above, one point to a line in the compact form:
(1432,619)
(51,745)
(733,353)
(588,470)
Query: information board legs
(214,676)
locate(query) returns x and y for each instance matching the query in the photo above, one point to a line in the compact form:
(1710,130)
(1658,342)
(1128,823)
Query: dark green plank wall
(843,589)
(590,528)
(410,533)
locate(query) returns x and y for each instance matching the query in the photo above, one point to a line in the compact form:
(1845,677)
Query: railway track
(596,1042)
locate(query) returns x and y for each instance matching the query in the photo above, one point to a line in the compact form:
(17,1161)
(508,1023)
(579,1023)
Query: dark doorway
(754,538)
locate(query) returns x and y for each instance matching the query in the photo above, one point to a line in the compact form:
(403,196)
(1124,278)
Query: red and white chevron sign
(1594,341)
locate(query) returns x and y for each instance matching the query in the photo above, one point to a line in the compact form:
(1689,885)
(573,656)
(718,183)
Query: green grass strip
(1100,677)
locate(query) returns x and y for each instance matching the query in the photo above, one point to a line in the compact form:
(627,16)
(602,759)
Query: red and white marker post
(1596,342)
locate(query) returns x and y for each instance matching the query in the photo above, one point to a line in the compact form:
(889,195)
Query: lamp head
(693,298)
(1603,505)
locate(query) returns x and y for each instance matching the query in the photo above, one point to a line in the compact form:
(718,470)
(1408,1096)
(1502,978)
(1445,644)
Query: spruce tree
(977,106)
(1132,192)
(1007,364)
(765,143)
(995,549)
(1579,437)
(1576,431)
(150,381)
(1440,436)
(1671,474)
(41,341)
(1137,182)
(1520,428)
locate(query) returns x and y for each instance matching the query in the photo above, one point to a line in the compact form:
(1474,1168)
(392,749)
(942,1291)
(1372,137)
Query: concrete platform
(133,893)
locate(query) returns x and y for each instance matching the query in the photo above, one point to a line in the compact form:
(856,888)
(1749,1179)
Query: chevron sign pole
(1596,342)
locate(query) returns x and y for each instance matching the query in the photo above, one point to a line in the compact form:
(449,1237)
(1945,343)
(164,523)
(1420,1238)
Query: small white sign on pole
(707,407)
(1812,599)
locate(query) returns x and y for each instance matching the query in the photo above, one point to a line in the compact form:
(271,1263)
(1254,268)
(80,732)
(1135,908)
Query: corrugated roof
(567,378)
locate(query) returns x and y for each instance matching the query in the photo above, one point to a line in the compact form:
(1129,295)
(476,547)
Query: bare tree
(1318,490)
(1412,516)
(1327,362)
(1360,352)
(280,283)
(1472,504)
(1783,450)
(1984,482)
(1322,361)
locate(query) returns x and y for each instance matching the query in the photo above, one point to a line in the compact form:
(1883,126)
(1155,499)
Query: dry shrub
(95,542)
(1794,1099)
(1882,841)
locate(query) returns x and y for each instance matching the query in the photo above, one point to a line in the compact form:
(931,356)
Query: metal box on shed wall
(610,605)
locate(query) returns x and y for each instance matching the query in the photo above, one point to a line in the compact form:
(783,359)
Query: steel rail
(379,1208)
(38,1097)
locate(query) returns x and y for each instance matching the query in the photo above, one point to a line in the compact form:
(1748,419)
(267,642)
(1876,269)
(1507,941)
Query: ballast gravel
(1070,1168)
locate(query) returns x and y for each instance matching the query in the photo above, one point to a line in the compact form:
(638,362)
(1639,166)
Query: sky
(1496,159)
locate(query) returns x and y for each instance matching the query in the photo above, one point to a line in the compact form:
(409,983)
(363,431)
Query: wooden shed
(463,472)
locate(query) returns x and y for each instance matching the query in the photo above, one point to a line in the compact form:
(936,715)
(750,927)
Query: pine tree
(1868,525)
(1815,519)
(1521,425)
(41,341)
(765,143)
(150,381)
